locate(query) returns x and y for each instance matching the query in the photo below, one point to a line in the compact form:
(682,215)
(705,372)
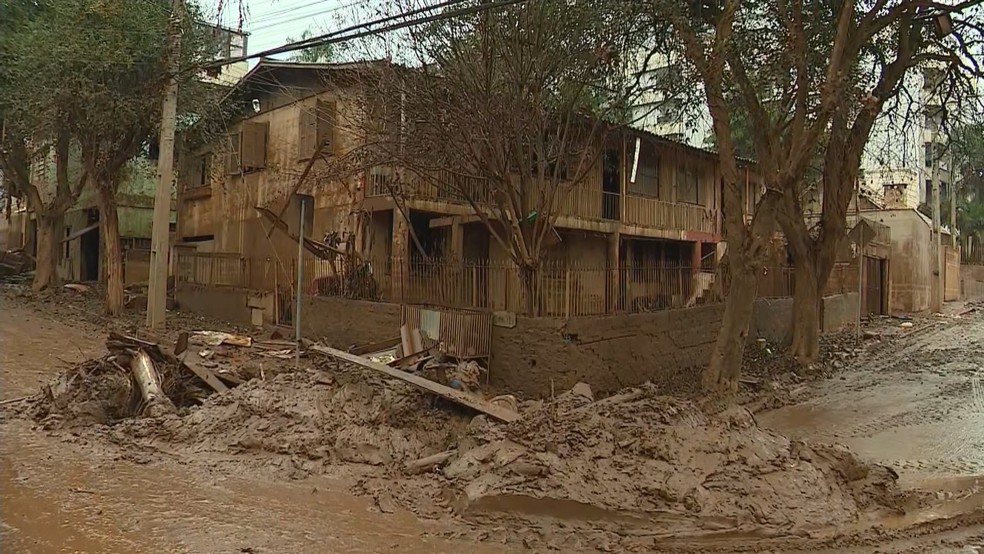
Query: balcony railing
(440,185)
(650,212)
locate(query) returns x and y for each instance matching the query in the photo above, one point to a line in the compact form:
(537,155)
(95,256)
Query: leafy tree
(29,133)
(93,73)
(321,53)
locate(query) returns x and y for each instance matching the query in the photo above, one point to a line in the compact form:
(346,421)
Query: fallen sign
(463,398)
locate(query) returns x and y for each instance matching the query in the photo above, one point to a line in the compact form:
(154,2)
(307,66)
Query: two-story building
(641,232)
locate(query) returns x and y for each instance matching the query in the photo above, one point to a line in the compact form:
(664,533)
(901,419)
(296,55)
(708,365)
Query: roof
(267,66)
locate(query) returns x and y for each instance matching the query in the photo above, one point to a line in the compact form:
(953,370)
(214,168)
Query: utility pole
(159,244)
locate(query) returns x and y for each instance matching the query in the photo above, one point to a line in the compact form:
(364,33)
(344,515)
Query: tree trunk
(528,281)
(805,344)
(724,369)
(109,228)
(49,230)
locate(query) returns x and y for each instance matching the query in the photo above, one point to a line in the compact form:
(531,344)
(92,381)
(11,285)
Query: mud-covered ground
(315,460)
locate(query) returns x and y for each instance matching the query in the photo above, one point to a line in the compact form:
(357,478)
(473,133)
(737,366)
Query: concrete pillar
(695,259)
(457,241)
(614,273)
(401,255)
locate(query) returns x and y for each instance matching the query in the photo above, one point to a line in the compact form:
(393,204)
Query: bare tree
(507,109)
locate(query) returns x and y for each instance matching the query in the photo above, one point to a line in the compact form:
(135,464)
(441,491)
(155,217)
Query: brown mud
(637,471)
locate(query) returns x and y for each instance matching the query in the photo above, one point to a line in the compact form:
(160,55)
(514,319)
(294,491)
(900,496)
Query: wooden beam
(463,398)
(363,349)
(452,219)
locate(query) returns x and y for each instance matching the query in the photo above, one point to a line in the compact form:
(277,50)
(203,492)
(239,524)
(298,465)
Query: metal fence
(558,288)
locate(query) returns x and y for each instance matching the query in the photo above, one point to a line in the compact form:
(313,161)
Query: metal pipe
(297,298)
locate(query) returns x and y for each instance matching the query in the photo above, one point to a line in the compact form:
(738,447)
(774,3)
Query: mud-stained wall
(221,303)
(342,323)
(607,353)
(951,257)
(972,281)
(910,278)
(612,352)
(839,311)
(771,319)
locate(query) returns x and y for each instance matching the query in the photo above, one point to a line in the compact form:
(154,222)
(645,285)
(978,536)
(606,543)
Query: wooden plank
(463,398)
(192,361)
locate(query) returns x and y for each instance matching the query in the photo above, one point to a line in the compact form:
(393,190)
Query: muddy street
(66,494)
(916,405)
(314,461)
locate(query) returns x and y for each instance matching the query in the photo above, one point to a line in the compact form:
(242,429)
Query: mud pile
(314,417)
(653,460)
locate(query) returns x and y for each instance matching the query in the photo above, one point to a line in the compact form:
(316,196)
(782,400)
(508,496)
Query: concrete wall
(342,323)
(607,352)
(222,303)
(839,311)
(911,275)
(951,268)
(771,319)
(612,352)
(972,281)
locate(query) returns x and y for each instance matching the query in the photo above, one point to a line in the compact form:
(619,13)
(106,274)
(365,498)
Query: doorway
(874,281)
(611,185)
(89,250)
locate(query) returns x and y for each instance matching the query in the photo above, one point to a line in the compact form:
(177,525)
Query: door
(873,286)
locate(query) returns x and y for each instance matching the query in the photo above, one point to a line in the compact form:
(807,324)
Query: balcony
(580,202)
(650,212)
(441,185)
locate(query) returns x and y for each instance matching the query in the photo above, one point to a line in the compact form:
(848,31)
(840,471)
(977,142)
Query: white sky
(271,22)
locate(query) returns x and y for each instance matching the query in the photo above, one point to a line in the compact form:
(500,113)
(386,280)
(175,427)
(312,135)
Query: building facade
(642,231)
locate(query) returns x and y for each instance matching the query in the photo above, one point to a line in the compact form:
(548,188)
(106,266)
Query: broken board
(192,361)
(463,398)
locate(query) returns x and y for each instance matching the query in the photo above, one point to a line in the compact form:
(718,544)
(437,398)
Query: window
(315,126)
(647,173)
(199,171)
(688,184)
(246,149)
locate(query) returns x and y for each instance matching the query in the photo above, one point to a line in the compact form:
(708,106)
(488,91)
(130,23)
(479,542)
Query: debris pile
(314,417)
(135,378)
(654,460)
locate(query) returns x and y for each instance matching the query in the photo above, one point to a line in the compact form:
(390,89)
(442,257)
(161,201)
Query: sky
(271,22)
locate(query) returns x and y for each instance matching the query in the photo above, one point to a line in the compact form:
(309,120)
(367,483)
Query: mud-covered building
(424,243)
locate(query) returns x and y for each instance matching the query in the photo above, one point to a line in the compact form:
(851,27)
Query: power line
(364,29)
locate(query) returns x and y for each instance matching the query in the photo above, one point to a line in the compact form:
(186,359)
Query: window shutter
(325,110)
(307,133)
(254,145)
(233,153)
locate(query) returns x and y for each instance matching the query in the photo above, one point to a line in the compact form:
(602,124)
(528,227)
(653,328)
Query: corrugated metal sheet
(465,334)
